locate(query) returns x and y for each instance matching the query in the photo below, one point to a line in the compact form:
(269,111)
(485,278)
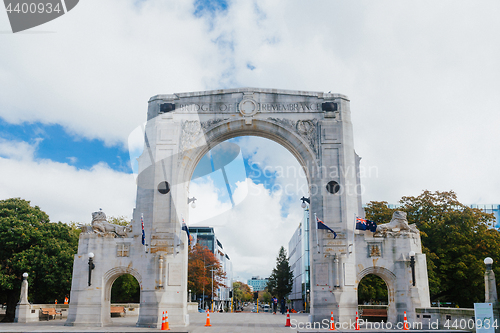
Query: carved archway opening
(290,141)
(373,298)
(108,280)
(126,289)
(390,280)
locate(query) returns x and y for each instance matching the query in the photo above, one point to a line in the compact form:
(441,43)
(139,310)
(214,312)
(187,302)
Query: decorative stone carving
(122,250)
(398,225)
(248,107)
(206,125)
(305,128)
(100,225)
(374,250)
(190,130)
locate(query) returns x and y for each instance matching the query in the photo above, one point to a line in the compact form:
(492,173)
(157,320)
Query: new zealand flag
(322,225)
(186,229)
(364,224)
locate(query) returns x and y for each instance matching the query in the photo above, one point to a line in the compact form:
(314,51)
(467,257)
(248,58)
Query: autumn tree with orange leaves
(201,263)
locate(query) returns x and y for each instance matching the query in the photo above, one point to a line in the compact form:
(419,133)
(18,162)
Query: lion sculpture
(100,225)
(398,224)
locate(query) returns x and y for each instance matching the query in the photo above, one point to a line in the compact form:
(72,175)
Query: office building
(298,249)
(257,283)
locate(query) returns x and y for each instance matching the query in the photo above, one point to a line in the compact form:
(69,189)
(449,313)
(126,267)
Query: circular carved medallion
(247,107)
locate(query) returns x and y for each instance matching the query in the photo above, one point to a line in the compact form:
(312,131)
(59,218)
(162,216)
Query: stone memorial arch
(181,128)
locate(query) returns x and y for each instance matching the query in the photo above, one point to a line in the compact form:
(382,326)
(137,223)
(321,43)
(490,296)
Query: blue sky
(54,143)
(423,80)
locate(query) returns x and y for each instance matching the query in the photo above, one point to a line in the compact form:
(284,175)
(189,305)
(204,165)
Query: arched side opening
(126,289)
(129,279)
(374,280)
(373,298)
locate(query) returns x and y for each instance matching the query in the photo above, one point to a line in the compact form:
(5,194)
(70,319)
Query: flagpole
(316,223)
(354,229)
(143,233)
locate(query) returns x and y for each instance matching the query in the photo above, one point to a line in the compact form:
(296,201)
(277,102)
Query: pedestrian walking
(283,305)
(275,304)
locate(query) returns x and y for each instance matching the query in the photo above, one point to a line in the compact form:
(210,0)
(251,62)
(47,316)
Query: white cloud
(208,204)
(251,232)
(62,191)
(276,164)
(96,72)
(72,159)
(16,150)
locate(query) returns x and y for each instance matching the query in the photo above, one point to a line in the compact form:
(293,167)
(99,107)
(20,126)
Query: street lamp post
(91,266)
(307,300)
(204,275)
(192,201)
(412,265)
(304,200)
(212,297)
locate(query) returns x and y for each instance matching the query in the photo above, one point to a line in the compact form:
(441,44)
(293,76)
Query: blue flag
(143,233)
(185,228)
(321,225)
(364,224)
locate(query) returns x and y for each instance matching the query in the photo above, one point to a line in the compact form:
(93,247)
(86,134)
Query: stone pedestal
(25,314)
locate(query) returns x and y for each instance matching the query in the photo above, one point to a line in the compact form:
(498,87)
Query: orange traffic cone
(357,321)
(208,319)
(56,301)
(287,324)
(332,323)
(405,325)
(66,300)
(164,324)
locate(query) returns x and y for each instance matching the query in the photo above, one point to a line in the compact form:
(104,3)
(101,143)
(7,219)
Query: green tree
(241,292)
(125,289)
(455,240)
(32,244)
(264,297)
(281,280)
(120,220)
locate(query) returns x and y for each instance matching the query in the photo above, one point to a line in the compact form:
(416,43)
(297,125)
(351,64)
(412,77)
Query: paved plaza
(221,323)
(245,322)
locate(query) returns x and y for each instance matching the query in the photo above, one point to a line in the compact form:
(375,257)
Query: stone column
(23,308)
(490,286)
(490,290)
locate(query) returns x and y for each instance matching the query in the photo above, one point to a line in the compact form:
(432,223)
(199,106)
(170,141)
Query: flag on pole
(321,225)
(143,232)
(364,224)
(186,229)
